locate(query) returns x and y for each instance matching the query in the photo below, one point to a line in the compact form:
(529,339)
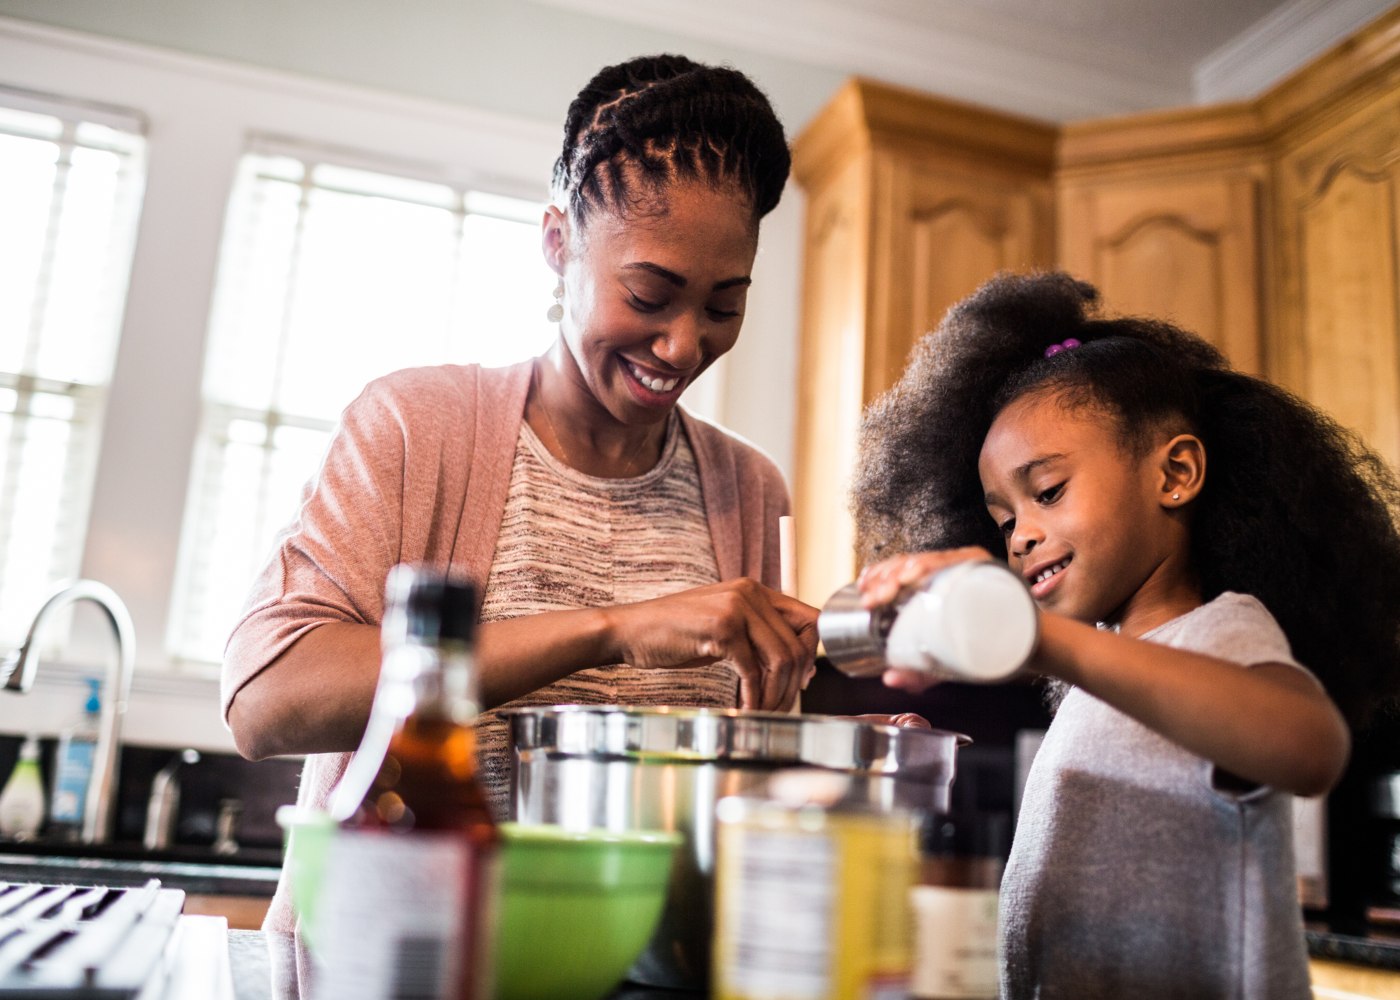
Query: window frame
(265,159)
(33,379)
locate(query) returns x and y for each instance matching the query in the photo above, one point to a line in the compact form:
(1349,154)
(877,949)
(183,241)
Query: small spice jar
(955,905)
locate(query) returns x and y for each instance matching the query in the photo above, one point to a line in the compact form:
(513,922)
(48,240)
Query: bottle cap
(432,607)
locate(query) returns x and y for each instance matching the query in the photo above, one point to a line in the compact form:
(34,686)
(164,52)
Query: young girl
(1191,535)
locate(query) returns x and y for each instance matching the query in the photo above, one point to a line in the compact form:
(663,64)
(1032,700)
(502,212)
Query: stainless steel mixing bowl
(619,768)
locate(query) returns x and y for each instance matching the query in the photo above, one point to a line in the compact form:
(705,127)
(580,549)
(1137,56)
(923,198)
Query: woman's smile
(650,387)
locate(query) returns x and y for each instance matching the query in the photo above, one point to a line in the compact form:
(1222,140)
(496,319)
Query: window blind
(71,179)
(334,269)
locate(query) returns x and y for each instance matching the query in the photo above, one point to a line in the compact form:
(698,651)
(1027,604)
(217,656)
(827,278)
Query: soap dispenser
(22,801)
(73,768)
(163,806)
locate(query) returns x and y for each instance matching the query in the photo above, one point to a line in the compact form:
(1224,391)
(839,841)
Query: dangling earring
(556,311)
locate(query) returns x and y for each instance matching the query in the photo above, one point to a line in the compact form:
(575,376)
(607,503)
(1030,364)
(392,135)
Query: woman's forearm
(1270,724)
(316,696)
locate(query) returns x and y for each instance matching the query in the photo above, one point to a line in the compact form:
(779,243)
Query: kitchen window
(335,268)
(71,181)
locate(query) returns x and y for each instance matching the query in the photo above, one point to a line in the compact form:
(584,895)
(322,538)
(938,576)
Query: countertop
(264,966)
(1379,949)
(200,877)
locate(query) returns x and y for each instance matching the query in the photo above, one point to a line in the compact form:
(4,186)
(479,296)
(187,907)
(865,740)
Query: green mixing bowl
(574,912)
(308,835)
(576,908)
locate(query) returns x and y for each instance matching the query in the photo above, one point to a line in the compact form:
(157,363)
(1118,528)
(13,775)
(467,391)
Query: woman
(617,541)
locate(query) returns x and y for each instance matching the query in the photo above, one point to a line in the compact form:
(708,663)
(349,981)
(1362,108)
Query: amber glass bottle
(955,905)
(410,882)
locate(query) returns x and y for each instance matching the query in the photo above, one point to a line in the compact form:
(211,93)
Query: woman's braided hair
(643,125)
(1296,510)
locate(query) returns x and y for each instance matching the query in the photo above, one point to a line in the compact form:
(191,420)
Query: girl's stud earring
(1176,496)
(556,311)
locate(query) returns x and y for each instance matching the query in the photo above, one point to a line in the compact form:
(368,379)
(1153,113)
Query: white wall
(514,57)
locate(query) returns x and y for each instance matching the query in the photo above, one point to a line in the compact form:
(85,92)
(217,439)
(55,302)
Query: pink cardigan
(418,472)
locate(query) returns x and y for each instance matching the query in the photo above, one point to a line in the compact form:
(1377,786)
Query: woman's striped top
(569,540)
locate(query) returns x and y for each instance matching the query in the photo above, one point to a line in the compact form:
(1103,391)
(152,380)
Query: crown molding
(1051,79)
(272,81)
(1277,45)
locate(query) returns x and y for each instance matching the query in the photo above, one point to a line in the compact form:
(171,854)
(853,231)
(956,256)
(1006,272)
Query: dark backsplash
(260,786)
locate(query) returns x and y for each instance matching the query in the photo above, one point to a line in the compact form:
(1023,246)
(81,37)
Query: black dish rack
(85,942)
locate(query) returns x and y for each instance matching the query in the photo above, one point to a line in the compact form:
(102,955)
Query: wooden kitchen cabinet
(1271,227)
(241,912)
(1337,203)
(912,203)
(1333,980)
(1172,230)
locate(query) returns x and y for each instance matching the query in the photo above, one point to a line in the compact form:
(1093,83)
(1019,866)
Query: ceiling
(1182,31)
(1059,60)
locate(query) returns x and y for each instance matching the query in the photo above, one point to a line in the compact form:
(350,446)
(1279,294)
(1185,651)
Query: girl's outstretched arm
(1269,724)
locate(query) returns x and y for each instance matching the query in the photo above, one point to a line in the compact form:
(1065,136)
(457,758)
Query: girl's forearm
(1269,724)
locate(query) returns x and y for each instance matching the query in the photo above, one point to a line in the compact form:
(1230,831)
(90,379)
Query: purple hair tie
(1063,345)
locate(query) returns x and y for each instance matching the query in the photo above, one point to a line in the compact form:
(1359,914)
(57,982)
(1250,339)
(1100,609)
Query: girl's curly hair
(1295,510)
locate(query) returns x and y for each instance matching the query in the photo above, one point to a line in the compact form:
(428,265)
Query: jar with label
(409,883)
(812,894)
(955,906)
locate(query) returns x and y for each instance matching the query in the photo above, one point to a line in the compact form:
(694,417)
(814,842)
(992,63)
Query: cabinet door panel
(1185,251)
(1166,267)
(954,247)
(1349,303)
(947,234)
(1338,332)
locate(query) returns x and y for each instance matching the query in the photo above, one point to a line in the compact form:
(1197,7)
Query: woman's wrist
(603,632)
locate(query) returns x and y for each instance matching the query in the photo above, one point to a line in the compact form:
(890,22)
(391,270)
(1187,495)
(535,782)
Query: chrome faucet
(18,669)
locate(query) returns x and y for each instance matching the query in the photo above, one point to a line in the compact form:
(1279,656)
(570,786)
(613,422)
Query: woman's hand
(770,639)
(881,582)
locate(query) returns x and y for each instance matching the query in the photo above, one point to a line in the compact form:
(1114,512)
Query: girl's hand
(913,681)
(881,582)
(770,639)
(906,720)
